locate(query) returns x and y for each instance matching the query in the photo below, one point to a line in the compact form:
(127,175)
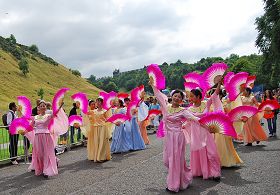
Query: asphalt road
(142,172)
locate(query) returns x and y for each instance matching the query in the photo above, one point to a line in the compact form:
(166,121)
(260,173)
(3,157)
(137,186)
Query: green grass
(4,136)
(5,155)
(41,75)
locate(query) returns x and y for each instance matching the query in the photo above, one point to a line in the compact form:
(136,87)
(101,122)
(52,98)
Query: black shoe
(46,176)
(170,191)
(249,144)
(217,179)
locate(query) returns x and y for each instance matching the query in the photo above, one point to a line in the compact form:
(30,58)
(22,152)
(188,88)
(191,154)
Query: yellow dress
(252,130)
(227,153)
(237,125)
(98,145)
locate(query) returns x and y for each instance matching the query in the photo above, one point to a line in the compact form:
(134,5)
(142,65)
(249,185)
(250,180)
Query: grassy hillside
(41,74)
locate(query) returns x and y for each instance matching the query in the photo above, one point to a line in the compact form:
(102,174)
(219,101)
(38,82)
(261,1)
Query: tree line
(174,72)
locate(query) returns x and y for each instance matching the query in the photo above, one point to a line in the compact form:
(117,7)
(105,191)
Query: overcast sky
(97,36)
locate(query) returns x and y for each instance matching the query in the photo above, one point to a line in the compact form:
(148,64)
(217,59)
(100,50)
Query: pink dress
(43,155)
(205,161)
(179,175)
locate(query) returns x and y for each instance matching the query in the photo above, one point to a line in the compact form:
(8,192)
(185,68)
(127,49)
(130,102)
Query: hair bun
(199,89)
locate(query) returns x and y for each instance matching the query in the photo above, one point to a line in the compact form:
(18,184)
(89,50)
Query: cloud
(96,37)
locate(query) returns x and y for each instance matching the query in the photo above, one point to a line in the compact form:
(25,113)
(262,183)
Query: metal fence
(22,151)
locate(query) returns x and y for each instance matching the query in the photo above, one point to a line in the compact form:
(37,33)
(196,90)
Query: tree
(41,93)
(116,72)
(17,53)
(12,39)
(111,86)
(268,42)
(33,48)
(76,73)
(23,66)
(243,65)
(92,79)
(130,84)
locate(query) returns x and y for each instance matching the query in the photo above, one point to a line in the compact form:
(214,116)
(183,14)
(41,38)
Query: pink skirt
(43,156)
(179,175)
(206,162)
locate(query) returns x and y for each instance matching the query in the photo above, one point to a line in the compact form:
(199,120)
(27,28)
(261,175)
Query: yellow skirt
(227,153)
(98,145)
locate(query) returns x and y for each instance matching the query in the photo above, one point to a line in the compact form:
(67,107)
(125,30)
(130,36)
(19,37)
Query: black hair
(197,93)
(12,105)
(211,91)
(178,91)
(74,105)
(121,103)
(169,100)
(100,100)
(269,94)
(90,101)
(249,90)
(42,102)
(126,99)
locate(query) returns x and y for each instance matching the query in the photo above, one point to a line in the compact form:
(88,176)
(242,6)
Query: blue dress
(136,138)
(121,139)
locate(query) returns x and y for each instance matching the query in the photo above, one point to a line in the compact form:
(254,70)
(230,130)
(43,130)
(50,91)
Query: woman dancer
(137,141)
(43,155)
(98,145)
(179,175)
(253,131)
(121,136)
(143,111)
(204,162)
(227,153)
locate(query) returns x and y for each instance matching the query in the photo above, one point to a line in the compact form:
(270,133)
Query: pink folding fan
(20,125)
(58,99)
(234,85)
(154,71)
(118,118)
(241,112)
(213,73)
(75,120)
(219,122)
(24,106)
(81,99)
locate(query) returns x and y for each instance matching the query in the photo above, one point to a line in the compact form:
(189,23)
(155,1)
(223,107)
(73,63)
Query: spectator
(11,115)
(155,121)
(270,116)
(49,108)
(34,110)
(73,111)
(147,102)
(126,101)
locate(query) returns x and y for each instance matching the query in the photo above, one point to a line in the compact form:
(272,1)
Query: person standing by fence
(73,111)
(11,115)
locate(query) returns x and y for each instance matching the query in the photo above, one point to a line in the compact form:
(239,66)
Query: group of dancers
(209,149)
